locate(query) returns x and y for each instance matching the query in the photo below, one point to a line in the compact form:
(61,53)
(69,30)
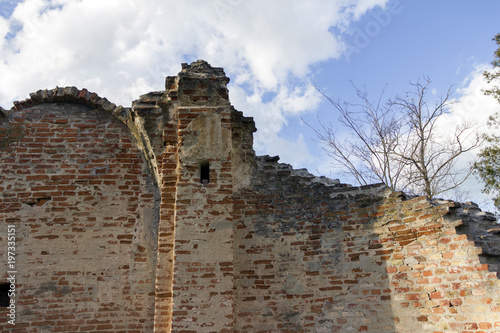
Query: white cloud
(472,100)
(4,30)
(363,6)
(472,106)
(299,99)
(292,152)
(122,49)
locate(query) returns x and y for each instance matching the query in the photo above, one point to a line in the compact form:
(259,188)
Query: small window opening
(4,295)
(205,173)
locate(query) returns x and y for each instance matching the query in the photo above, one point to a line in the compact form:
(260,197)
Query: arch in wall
(65,94)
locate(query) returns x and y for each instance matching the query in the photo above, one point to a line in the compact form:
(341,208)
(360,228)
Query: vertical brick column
(203,268)
(166,233)
(194,286)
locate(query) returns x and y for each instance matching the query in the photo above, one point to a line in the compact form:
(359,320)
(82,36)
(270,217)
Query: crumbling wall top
(202,69)
(269,164)
(3,114)
(198,84)
(71,95)
(480,227)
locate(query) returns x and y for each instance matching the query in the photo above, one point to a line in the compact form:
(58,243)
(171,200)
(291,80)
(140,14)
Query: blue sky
(273,51)
(446,40)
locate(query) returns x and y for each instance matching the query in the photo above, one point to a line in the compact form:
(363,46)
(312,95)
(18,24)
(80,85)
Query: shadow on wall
(325,257)
(437,280)
(483,229)
(307,257)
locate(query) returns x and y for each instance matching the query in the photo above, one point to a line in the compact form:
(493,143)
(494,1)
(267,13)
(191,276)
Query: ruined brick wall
(317,256)
(80,195)
(159,217)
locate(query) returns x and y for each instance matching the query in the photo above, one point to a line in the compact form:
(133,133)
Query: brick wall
(316,257)
(82,200)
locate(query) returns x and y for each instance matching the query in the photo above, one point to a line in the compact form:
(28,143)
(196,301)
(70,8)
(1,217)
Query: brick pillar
(194,291)
(166,239)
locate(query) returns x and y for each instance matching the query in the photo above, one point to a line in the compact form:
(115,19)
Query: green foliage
(493,75)
(487,167)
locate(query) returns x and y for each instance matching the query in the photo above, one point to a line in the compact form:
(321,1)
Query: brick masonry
(159,217)
(81,196)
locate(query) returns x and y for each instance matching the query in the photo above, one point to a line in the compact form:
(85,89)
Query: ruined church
(159,217)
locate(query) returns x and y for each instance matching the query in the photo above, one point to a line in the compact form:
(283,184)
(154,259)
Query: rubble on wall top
(471,210)
(65,94)
(202,69)
(269,164)
(238,117)
(3,113)
(479,226)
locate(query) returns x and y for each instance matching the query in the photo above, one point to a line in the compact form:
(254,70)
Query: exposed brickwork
(159,217)
(354,259)
(202,291)
(83,202)
(65,94)
(482,228)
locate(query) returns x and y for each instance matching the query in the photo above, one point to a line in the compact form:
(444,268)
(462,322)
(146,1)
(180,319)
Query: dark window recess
(205,173)
(4,295)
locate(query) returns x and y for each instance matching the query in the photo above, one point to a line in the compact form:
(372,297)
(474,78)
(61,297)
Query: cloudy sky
(274,51)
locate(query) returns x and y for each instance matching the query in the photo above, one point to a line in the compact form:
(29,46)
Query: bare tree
(398,142)
(374,127)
